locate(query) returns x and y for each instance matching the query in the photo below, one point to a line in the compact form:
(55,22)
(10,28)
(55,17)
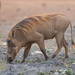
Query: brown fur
(36,29)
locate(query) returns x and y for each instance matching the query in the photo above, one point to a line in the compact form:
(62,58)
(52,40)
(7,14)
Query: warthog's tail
(72,41)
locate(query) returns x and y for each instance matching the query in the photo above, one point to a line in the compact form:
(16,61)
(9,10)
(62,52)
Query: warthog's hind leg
(59,41)
(65,44)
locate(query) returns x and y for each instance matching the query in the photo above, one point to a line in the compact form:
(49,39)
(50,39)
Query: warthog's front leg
(26,51)
(41,45)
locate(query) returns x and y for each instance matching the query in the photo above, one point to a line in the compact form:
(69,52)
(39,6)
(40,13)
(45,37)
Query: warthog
(36,29)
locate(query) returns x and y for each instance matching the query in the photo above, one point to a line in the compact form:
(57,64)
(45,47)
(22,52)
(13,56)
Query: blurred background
(12,11)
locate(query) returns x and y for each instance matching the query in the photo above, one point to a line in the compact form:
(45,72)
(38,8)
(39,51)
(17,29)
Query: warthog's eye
(8,41)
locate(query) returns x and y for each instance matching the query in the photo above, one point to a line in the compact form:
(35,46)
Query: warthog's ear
(13,34)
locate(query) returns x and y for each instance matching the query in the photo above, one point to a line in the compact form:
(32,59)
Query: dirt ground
(13,11)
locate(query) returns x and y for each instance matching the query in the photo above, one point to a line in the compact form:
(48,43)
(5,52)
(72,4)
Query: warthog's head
(14,44)
(12,50)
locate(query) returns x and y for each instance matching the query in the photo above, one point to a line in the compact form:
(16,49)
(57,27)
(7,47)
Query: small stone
(4,53)
(56,73)
(4,44)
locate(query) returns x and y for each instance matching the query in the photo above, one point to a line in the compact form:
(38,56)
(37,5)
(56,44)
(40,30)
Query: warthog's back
(48,25)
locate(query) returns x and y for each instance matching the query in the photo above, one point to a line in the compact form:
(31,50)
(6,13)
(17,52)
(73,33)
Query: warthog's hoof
(46,58)
(53,56)
(22,61)
(66,56)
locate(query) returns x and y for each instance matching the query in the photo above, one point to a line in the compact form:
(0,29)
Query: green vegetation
(47,50)
(1,65)
(72,61)
(18,61)
(0,36)
(59,71)
(44,73)
(42,61)
(30,61)
(69,71)
(22,72)
(68,49)
(49,72)
(73,49)
(60,57)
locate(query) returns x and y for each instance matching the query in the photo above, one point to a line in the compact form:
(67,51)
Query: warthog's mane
(29,22)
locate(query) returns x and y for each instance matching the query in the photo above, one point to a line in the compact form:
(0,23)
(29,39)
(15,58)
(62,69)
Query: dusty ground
(13,11)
